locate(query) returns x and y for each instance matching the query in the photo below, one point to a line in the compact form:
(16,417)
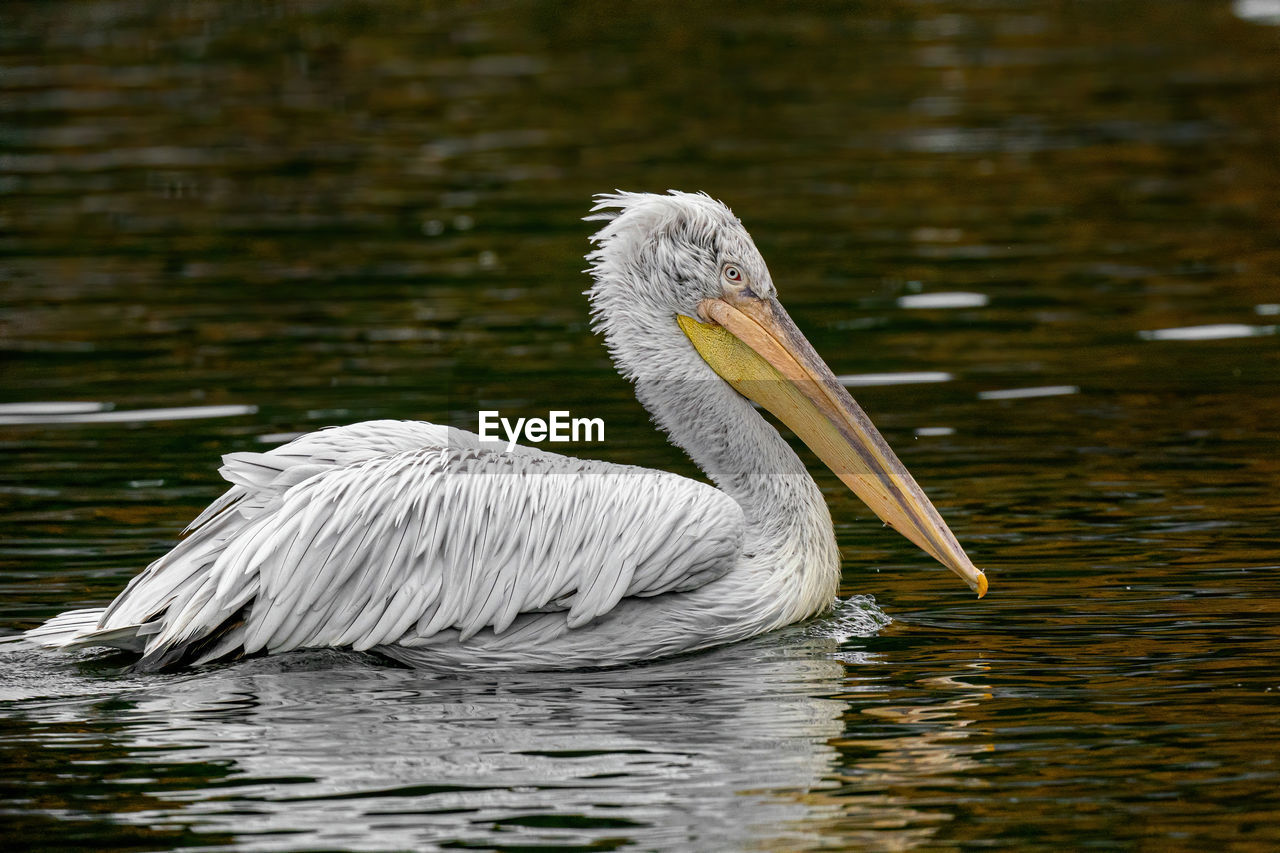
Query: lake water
(1040,238)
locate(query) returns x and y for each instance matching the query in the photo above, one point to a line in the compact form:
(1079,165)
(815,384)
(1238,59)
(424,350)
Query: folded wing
(388,532)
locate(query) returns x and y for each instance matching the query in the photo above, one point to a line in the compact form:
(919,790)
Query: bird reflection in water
(741,746)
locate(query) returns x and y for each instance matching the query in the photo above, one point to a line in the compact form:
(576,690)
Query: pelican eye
(733,274)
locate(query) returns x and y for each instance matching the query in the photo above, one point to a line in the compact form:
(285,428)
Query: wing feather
(391,532)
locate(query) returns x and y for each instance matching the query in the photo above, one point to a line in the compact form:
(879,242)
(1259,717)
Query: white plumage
(433,548)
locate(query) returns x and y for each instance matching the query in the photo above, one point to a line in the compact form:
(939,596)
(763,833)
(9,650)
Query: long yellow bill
(757,349)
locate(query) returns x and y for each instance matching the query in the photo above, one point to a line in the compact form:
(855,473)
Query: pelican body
(434,548)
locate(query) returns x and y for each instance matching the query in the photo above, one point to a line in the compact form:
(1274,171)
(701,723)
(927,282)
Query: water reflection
(1212,332)
(102,413)
(741,747)
(1026,393)
(853,380)
(1258,11)
(943,300)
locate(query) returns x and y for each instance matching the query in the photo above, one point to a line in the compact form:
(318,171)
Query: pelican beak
(755,347)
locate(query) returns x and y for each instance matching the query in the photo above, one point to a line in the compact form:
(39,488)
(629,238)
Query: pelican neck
(741,452)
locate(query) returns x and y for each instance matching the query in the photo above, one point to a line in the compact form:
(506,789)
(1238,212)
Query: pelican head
(682,294)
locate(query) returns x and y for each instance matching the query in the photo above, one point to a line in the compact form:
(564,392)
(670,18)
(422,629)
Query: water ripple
(943,300)
(1209,332)
(99,413)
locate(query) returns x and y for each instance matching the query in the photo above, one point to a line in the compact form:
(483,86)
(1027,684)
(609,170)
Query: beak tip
(981,585)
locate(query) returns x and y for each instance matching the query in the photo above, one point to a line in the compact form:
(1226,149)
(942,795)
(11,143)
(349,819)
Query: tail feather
(78,629)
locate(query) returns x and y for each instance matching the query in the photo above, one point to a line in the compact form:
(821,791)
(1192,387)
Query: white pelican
(431,547)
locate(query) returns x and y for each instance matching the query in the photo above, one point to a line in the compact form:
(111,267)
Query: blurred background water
(1040,239)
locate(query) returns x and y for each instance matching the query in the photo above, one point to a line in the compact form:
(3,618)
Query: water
(1037,239)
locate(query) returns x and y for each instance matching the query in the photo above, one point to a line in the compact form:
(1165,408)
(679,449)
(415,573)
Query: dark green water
(318,213)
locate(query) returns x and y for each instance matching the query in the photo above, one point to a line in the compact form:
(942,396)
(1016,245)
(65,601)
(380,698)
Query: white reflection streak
(52,408)
(958,299)
(1026,393)
(1212,332)
(1258,11)
(99,416)
(867,379)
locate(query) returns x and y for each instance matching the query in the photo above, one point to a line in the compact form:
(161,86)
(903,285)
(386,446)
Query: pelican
(434,548)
